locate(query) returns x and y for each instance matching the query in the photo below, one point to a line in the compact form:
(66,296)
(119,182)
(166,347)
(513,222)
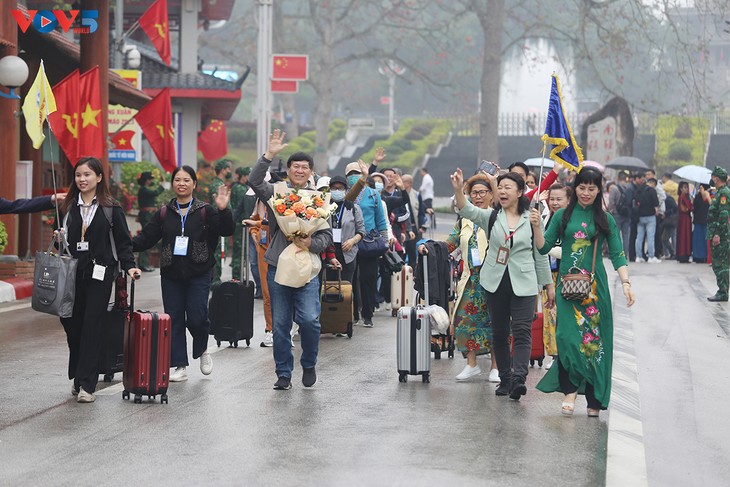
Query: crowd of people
(518,238)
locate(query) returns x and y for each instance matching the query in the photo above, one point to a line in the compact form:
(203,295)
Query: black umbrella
(627,162)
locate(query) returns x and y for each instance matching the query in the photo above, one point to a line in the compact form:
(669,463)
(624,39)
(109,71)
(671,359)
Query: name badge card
(99,271)
(337,235)
(82,247)
(502,255)
(476,259)
(262,237)
(181,246)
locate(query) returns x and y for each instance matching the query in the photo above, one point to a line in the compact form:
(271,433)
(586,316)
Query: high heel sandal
(567,408)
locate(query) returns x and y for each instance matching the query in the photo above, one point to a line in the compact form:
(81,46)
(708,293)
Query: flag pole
(542,166)
(53,164)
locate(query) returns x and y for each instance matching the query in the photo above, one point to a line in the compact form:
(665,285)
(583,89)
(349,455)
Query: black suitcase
(230,309)
(111,359)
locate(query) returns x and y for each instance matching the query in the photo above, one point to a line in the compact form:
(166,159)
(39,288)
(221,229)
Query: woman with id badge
(189,229)
(98,236)
(471,318)
(512,274)
(348,228)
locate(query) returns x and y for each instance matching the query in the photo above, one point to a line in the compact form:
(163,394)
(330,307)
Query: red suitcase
(538,347)
(147,342)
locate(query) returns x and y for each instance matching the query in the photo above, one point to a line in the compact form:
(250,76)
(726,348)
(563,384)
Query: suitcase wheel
(163,399)
(248,342)
(394,313)
(219,343)
(426,377)
(402,377)
(108,377)
(137,399)
(539,362)
(125,395)
(349,330)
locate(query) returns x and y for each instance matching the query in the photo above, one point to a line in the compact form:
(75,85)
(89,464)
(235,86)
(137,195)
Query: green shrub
(683,130)
(414,135)
(404,144)
(393,150)
(3,237)
(680,151)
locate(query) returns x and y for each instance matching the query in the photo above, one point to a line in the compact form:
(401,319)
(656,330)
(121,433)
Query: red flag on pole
(155,120)
(91,138)
(290,67)
(213,142)
(154,23)
(65,120)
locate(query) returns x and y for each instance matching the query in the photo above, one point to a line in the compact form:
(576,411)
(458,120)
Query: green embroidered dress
(584,329)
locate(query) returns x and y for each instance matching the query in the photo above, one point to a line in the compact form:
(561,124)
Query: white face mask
(378,186)
(338,194)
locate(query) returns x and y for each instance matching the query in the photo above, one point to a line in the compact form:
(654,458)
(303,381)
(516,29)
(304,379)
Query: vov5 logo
(46,21)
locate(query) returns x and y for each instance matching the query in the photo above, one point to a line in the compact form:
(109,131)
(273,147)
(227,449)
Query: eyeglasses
(481,193)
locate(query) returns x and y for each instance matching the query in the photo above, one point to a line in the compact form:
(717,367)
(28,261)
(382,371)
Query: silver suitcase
(414,340)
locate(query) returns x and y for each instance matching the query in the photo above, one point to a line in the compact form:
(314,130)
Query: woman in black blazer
(88,224)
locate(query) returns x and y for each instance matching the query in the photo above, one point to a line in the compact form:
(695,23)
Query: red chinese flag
(154,23)
(213,142)
(155,120)
(289,67)
(65,120)
(91,137)
(284,86)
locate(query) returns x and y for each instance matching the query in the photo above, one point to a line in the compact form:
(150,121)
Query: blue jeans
(253,258)
(302,305)
(186,301)
(624,225)
(646,227)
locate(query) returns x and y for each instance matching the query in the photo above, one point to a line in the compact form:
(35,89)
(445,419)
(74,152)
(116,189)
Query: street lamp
(13,73)
(391,70)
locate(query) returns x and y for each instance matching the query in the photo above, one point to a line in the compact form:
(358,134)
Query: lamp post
(13,73)
(391,70)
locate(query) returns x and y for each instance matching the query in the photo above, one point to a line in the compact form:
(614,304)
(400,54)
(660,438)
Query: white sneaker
(268,340)
(654,260)
(179,375)
(494,375)
(85,396)
(639,260)
(206,363)
(386,306)
(469,372)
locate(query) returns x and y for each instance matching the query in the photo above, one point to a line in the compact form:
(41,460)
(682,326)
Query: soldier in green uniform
(238,193)
(147,195)
(222,173)
(718,232)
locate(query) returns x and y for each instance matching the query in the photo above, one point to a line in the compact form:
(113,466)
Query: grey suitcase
(414,341)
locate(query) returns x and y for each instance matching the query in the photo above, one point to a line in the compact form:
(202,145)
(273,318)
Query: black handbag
(392,261)
(372,245)
(54,281)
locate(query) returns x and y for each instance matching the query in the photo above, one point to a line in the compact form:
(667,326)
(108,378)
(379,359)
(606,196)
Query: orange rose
(298,207)
(318,202)
(294,197)
(281,208)
(288,212)
(310,213)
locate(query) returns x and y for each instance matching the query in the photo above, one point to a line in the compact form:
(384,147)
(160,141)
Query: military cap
(222,164)
(243,171)
(719,172)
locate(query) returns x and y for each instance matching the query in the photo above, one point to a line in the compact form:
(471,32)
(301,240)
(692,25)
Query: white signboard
(601,146)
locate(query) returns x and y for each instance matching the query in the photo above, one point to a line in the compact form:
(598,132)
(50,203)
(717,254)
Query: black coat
(40,203)
(438,274)
(203,236)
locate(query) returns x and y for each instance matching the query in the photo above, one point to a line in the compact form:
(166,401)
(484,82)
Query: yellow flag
(38,103)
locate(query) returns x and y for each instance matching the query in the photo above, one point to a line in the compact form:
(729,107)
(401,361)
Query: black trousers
(84,330)
(568,387)
(368,270)
(507,310)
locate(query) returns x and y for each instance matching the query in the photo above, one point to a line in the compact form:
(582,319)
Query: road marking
(15,307)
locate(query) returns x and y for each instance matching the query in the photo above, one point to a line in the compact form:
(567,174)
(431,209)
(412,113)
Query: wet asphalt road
(359,426)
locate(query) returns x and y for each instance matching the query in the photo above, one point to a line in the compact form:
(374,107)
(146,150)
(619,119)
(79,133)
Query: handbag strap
(595,250)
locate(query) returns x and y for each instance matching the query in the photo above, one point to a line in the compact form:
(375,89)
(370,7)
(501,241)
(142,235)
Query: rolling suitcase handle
(339,284)
(425,278)
(245,249)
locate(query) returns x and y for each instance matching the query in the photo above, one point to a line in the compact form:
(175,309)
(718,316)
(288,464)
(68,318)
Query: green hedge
(680,141)
(404,149)
(306,142)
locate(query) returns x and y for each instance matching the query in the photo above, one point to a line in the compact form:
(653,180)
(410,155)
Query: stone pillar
(189,36)
(188,132)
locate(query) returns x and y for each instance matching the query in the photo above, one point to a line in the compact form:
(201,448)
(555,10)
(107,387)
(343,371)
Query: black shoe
(717,299)
(502,388)
(283,384)
(368,323)
(518,390)
(309,377)
(258,296)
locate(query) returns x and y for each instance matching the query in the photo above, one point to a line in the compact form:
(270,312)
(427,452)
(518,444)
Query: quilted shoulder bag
(576,283)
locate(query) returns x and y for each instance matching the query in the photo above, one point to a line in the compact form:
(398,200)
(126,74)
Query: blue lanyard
(339,217)
(184,218)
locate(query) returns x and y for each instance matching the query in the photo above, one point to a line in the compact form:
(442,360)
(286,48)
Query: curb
(15,288)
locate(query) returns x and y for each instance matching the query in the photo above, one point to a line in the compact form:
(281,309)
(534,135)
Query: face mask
(338,194)
(352,179)
(229,176)
(378,186)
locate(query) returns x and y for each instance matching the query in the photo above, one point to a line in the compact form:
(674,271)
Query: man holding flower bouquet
(298,235)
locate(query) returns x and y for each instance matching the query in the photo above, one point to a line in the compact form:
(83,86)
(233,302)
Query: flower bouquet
(299,213)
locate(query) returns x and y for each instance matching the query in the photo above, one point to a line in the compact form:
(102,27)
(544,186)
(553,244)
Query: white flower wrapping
(297,267)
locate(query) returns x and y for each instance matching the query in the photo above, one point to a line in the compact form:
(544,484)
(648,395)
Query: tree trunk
(290,107)
(321,125)
(492,22)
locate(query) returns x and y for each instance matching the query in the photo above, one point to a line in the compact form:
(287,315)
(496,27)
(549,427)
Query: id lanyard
(339,216)
(86,217)
(509,237)
(185,217)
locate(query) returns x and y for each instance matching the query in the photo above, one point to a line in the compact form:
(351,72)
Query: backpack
(623,205)
(670,206)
